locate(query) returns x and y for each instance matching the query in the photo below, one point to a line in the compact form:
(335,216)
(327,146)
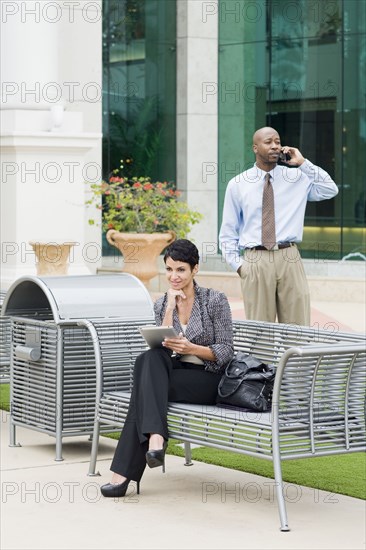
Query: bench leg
(58,448)
(94,449)
(188,454)
(279,492)
(12,436)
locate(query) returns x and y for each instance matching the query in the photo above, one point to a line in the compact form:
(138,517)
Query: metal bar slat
(33,383)
(5,344)
(311,407)
(220,429)
(230,445)
(33,396)
(346,400)
(262,446)
(212,419)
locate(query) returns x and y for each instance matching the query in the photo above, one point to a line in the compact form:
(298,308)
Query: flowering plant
(141,206)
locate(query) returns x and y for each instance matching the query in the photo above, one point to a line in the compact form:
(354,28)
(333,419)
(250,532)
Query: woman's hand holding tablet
(154,335)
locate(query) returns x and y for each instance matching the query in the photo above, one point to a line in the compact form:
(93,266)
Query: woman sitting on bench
(187,369)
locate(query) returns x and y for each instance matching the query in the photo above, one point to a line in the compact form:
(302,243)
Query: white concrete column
(29,41)
(197,112)
(50,131)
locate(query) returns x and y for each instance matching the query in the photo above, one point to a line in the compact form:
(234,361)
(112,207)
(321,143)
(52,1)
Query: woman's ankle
(156,442)
(117,479)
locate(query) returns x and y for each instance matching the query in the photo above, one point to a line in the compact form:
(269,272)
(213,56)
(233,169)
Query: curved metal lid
(79,297)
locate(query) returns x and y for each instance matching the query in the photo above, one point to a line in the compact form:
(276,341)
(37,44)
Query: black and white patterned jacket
(210,324)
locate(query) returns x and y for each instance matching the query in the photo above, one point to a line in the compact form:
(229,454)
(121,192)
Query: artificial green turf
(5,397)
(344,474)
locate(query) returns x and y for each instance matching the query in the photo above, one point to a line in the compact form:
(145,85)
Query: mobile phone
(283,157)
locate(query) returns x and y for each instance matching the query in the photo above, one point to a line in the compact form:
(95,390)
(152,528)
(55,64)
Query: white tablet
(155,335)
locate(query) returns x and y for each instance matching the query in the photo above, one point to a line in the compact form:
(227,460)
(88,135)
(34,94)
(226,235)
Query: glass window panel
(243,85)
(354,146)
(139,89)
(139,85)
(354,16)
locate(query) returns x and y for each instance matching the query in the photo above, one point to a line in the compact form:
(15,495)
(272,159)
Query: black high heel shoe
(115,490)
(156,458)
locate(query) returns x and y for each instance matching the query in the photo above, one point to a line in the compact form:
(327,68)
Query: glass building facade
(296,65)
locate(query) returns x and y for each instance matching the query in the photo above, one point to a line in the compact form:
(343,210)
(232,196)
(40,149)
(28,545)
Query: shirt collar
(262,173)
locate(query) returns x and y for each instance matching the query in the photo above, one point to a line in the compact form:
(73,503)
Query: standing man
(263,215)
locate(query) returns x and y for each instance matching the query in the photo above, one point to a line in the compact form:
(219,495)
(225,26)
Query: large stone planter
(52,257)
(140,251)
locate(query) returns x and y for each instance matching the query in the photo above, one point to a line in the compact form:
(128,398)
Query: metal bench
(318,405)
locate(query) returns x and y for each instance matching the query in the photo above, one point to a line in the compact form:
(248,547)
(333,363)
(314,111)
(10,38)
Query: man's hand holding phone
(291,156)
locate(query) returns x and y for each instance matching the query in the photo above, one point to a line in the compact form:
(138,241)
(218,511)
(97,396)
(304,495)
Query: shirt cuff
(307,167)
(236,264)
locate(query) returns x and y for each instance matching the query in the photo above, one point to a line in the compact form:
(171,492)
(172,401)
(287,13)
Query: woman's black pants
(158,378)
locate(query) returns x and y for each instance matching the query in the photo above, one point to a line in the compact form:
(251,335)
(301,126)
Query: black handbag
(247,382)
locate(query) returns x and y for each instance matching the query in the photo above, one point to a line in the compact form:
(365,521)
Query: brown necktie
(268,215)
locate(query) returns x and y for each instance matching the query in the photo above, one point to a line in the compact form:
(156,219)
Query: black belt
(278,246)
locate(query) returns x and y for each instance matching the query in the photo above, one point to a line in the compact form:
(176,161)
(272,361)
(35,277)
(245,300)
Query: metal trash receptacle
(4,344)
(52,360)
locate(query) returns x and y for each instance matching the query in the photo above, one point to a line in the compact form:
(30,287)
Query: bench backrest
(321,392)
(268,341)
(320,386)
(121,342)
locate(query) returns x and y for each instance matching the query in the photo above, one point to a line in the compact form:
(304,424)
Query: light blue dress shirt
(242,215)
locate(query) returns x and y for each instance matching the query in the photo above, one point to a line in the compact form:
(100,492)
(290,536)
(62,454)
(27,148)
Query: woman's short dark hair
(183,250)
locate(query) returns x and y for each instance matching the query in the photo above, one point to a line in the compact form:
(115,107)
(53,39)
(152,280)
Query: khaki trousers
(274,285)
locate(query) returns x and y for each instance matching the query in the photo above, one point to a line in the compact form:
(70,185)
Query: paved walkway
(341,316)
(48,504)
